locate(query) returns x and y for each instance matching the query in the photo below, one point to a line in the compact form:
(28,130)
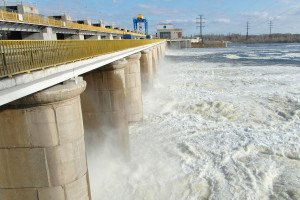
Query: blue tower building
(140,19)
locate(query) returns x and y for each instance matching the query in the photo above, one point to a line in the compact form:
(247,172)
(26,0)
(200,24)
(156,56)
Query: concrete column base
(94,37)
(77,37)
(42,149)
(103,105)
(163,49)
(45,34)
(154,60)
(146,69)
(134,105)
(109,36)
(158,52)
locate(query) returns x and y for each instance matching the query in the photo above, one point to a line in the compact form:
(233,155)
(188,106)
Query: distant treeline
(237,38)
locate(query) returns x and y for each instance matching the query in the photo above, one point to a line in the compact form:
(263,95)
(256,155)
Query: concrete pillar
(94,37)
(164,48)
(77,37)
(189,44)
(45,34)
(174,44)
(158,52)
(183,44)
(42,149)
(161,50)
(154,60)
(110,36)
(146,69)
(134,105)
(48,34)
(103,105)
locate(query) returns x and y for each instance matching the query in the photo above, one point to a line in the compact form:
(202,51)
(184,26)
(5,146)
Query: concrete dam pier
(42,151)
(42,145)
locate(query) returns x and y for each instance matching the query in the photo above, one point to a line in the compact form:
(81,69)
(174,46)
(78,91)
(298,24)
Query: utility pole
(200,22)
(4,2)
(270,26)
(247,27)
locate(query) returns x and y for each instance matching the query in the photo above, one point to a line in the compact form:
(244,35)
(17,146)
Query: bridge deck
(19,56)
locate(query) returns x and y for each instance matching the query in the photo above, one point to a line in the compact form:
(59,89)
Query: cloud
(292,12)
(177,21)
(157,10)
(296,12)
(223,20)
(261,15)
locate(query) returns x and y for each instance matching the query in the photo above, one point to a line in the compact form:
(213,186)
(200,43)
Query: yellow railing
(19,56)
(25,18)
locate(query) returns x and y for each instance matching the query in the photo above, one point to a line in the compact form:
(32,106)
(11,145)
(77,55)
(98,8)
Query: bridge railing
(26,18)
(19,56)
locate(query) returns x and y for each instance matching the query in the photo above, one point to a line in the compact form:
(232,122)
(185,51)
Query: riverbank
(253,39)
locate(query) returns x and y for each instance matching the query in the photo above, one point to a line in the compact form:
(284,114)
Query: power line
(247,28)
(266,9)
(274,19)
(200,22)
(271,26)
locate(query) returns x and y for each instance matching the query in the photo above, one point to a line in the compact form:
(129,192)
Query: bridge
(35,27)
(51,94)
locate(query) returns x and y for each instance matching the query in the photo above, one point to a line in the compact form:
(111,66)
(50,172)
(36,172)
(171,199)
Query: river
(218,124)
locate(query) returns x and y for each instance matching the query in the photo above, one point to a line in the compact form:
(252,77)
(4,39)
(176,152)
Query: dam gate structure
(53,93)
(59,81)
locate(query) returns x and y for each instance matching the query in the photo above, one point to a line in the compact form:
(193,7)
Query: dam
(95,111)
(53,92)
(42,129)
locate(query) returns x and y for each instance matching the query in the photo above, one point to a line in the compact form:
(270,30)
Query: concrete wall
(173,33)
(61,17)
(86,22)
(179,44)
(26,9)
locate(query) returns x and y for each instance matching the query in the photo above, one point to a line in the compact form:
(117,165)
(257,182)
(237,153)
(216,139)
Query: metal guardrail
(25,18)
(19,56)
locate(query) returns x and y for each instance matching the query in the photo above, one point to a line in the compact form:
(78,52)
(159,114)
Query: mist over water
(218,124)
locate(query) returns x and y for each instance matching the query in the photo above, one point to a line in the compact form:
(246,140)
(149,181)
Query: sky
(221,16)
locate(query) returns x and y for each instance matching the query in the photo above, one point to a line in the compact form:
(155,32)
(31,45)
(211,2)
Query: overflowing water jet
(103,105)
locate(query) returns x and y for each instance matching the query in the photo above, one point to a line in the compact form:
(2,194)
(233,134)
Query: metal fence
(19,56)
(26,18)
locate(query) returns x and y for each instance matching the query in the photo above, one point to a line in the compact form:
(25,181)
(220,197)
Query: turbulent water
(218,124)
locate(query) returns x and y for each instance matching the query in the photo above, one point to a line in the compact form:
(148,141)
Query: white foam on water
(293,55)
(210,131)
(267,56)
(232,56)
